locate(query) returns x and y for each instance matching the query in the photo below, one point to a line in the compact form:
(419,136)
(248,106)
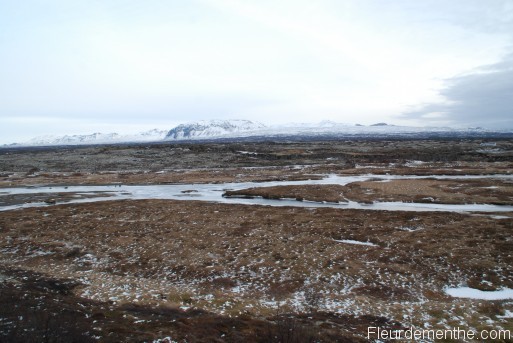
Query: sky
(83,66)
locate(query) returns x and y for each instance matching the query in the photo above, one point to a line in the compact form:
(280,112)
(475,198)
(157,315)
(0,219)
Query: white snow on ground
(409,228)
(165,340)
(500,217)
(472,293)
(507,314)
(350,241)
(414,163)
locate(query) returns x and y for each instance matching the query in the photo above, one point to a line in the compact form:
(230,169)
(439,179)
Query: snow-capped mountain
(238,129)
(96,138)
(246,129)
(213,129)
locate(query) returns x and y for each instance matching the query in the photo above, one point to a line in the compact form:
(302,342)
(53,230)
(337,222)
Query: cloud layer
(70,66)
(483,97)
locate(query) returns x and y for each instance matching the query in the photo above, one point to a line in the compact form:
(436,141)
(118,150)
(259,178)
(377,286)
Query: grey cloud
(481,98)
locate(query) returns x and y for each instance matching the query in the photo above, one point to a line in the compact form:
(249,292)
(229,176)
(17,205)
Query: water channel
(213,193)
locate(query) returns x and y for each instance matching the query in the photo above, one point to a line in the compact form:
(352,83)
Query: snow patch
(350,241)
(507,314)
(472,293)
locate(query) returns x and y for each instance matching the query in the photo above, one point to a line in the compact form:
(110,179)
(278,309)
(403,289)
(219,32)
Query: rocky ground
(143,270)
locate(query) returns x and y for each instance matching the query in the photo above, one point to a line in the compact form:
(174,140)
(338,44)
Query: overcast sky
(71,66)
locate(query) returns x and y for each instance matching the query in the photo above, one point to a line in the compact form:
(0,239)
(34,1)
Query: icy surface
(214,192)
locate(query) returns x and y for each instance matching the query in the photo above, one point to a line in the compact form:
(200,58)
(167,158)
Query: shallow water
(213,193)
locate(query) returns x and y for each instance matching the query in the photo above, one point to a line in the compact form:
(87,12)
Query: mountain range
(246,129)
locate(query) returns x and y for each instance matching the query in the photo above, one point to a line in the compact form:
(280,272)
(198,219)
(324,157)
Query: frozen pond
(213,193)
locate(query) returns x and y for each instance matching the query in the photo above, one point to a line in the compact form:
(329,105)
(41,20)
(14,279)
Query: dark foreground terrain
(191,271)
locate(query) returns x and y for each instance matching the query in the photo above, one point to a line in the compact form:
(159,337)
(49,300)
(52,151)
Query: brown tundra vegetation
(162,270)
